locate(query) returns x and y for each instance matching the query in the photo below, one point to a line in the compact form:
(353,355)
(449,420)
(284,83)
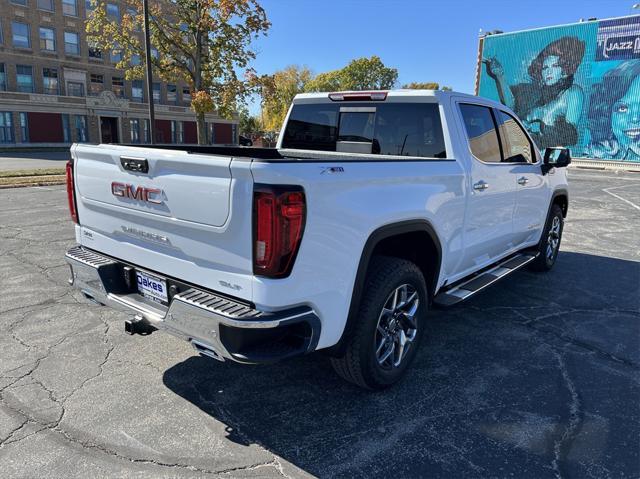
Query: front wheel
(550,242)
(390,323)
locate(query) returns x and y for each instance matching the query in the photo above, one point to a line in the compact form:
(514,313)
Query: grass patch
(36,172)
(40,180)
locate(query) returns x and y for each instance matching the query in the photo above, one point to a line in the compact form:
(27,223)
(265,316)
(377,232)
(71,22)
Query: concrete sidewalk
(11,161)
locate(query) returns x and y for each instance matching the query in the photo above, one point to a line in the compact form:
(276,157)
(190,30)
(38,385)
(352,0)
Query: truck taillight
(279,214)
(71,192)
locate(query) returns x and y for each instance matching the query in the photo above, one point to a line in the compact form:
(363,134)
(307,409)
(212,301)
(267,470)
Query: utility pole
(147,54)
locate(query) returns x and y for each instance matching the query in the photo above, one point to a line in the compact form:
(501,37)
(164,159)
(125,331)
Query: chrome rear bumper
(217,326)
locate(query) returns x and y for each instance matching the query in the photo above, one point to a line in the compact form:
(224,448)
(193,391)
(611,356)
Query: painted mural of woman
(614,114)
(550,105)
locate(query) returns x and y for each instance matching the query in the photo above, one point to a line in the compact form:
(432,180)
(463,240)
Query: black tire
(547,249)
(360,363)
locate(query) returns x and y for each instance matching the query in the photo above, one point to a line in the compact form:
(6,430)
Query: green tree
(359,74)
(249,126)
(277,93)
(426,86)
(202,42)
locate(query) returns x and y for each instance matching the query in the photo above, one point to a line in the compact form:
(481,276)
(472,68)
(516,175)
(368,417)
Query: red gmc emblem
(140,193)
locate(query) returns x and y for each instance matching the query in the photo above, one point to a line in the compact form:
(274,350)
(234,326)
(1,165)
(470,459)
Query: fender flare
(557,193)
(384,232)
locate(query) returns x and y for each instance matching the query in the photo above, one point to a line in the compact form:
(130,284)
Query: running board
(468,287)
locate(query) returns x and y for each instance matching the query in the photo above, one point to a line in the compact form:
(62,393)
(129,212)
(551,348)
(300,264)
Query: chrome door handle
(481,185)
(523,180)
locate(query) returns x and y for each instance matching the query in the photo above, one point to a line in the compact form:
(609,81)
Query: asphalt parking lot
(25,161)
(537,377)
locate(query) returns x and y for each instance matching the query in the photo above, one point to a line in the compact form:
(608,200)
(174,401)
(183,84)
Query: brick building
(56,90)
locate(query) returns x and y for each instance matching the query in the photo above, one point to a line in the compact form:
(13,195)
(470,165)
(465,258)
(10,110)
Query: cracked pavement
(537,377)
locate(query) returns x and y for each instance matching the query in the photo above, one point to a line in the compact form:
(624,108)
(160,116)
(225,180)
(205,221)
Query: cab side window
(481,132)
(516,146)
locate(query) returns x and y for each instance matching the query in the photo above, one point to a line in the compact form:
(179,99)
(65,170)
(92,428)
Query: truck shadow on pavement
(503,384)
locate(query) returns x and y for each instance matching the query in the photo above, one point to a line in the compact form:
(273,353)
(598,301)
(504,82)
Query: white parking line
(606,190)
(585,177)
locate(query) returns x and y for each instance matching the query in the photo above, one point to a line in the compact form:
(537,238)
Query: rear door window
(399,129)
(481,132)
(409,129)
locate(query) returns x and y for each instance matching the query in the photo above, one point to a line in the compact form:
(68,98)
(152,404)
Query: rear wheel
(390,324)
(550,242)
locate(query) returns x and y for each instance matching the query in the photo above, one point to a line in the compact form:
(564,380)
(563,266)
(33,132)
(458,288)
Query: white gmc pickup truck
(374,208)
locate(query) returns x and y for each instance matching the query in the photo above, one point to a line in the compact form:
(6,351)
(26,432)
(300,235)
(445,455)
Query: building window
(186,95)
(19,2)
(47,39)
(24,78)
(147,133)
(97,84)
(172,95)
(94,51)
(70,8)
(134,125)
(81,128)
(66,129)
(50,81)
(156,92)
(89,6)
(113,11)
(45,5)
(24,128)
(135,59)
(116,54)
(117,86)
(177,132)
(133,13)
(71,43)
(6,127)
(75,88)
(136,91)
(154,53)
(3,78)
(21,35)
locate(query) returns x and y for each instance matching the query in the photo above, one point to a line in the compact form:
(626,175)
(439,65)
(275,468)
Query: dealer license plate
(152,287)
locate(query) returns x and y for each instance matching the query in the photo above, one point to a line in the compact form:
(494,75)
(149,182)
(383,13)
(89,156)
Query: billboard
(573,85)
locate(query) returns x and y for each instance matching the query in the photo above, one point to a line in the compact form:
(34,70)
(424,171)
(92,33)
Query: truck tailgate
(179,214)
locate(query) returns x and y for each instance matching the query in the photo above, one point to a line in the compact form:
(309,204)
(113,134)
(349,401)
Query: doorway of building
(109,129)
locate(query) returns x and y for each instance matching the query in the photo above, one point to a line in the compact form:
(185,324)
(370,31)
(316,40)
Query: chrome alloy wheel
(397,326)
(553,240)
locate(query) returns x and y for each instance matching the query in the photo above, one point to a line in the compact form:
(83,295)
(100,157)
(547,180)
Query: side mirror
(556,157)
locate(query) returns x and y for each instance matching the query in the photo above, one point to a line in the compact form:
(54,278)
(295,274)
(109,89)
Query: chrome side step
(463,290)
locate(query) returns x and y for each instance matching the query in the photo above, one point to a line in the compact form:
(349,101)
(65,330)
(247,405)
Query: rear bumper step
(468,287)
(216,326)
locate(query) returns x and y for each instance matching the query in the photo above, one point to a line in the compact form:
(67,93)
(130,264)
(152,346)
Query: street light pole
(147,54)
